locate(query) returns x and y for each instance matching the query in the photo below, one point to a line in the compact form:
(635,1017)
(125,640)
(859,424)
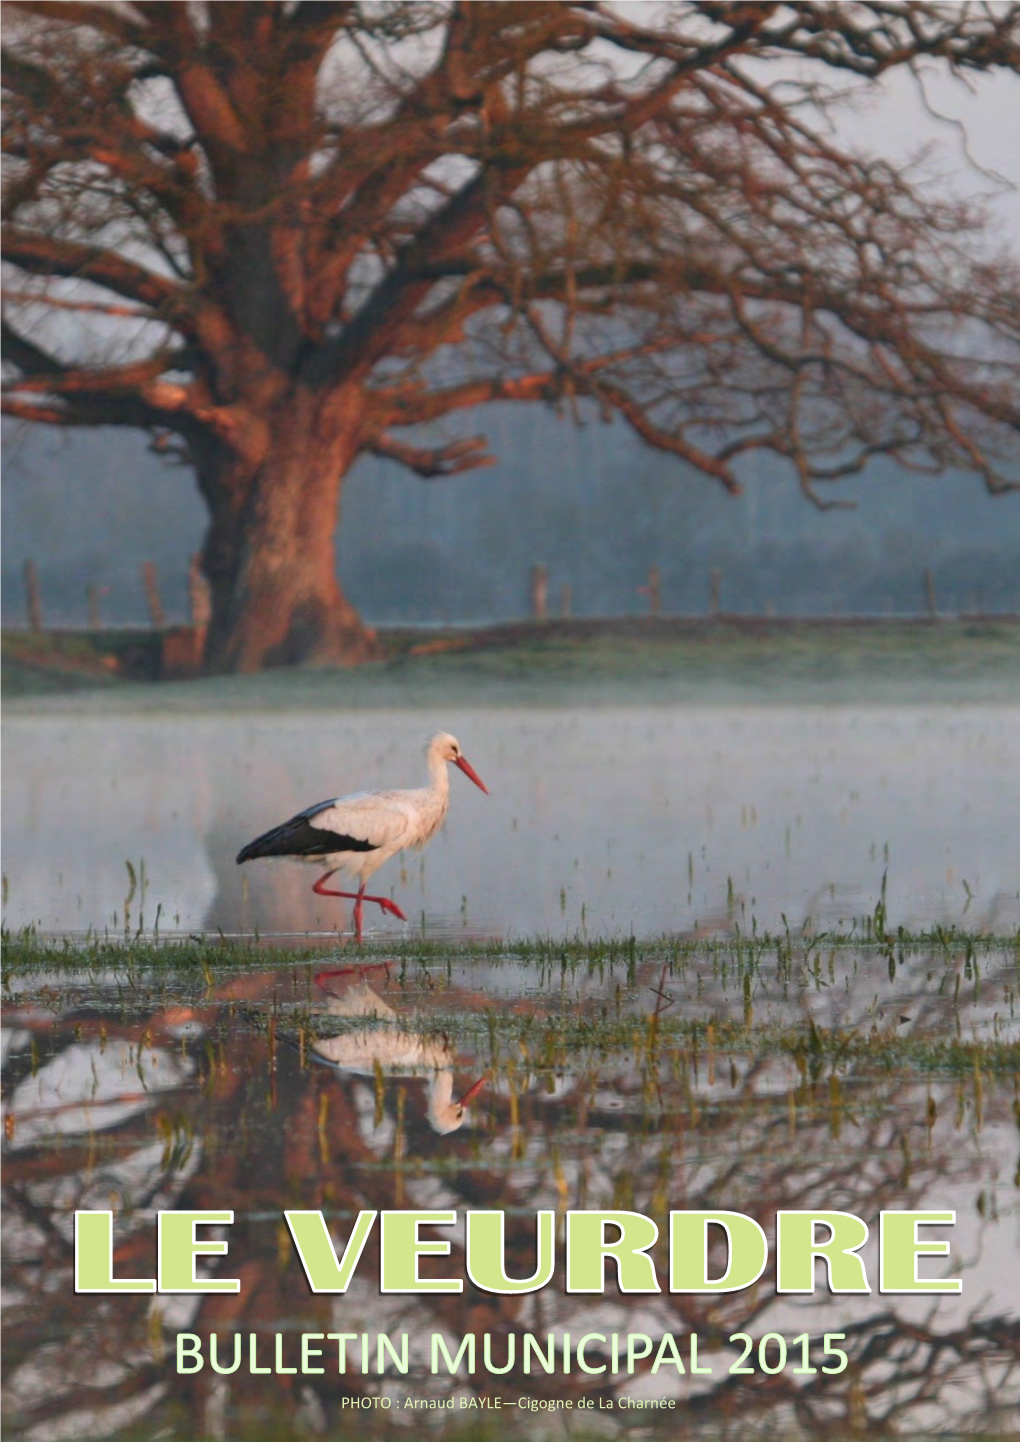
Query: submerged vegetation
(859,1071)
(608,994)
(29,948)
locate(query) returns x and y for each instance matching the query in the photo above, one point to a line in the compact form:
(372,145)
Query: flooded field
(694,953)
(729,1075)
(602,821)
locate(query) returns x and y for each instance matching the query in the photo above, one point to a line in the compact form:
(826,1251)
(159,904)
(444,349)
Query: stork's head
(444,747)
(446,1115)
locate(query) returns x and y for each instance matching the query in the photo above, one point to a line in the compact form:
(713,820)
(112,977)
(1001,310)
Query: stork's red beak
(470,772)
(475,1087)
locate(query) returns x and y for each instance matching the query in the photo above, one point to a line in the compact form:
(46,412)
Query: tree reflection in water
(226,1103)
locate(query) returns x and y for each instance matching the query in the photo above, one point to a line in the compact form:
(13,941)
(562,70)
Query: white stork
(357,833)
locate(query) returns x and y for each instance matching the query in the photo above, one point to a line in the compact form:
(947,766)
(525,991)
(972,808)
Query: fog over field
(592,503)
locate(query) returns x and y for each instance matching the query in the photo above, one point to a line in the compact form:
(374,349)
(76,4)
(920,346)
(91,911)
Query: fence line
(198,607)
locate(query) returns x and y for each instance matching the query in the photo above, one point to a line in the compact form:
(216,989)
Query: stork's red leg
(357,913)
(321,977)
(321,889)
(387,905)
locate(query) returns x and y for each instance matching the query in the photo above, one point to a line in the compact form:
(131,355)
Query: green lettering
(93,1258)
(797,1246)
(587,1249)
(192,1351)
(316,1252)
(688,1245)
(486,1263)
(177,1248)
(400,1248)
(899,1249)
(308,1352)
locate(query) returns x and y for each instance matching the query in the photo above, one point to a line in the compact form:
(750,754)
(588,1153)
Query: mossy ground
(652,659)
(47,662)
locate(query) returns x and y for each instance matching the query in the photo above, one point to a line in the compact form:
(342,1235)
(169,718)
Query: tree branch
(95,380)
(45,255)
(677,242)
(26,355)
(106,19)
(431,463)
(52,302)
(412,406)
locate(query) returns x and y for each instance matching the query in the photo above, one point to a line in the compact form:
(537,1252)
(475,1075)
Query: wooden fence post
(655,591)
(929,595)
(539,592)
(715,593)
(156,612)
(33,596)
(92,600)
(565,601)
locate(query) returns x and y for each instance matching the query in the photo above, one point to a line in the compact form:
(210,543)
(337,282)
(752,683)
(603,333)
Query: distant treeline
(592,505)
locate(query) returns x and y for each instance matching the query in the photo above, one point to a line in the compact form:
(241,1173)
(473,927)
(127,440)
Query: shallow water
(606,821)
(796,1079)
(801,1074)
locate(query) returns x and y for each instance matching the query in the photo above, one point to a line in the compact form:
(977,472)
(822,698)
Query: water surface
(680,1074)
(853,1079)
(609,820)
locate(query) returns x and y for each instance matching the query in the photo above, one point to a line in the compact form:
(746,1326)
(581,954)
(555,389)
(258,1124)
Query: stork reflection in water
(389,1048)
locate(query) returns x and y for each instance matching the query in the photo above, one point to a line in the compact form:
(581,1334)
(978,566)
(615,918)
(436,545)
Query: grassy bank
(647,660)
(28,950)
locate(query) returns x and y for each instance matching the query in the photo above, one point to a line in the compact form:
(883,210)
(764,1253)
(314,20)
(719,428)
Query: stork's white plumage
(357,833)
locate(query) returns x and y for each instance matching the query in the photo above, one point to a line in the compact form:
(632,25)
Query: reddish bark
(269,550)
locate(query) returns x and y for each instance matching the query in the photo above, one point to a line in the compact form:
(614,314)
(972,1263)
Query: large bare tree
(278,236)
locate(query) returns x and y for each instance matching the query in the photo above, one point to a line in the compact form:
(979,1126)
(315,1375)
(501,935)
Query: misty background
(591,503)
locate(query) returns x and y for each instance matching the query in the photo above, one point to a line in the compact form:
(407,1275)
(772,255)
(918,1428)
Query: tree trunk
(269,552)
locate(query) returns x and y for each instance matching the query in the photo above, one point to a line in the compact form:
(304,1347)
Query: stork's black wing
(299,837)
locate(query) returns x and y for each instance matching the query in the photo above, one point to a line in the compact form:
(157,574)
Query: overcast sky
(890,119)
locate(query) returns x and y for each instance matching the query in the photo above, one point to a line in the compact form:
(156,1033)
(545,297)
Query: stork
(356,834)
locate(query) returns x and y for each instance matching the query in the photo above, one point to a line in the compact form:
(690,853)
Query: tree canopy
(278,236)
